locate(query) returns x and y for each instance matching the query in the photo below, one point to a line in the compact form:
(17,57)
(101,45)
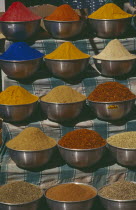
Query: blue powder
(20,51)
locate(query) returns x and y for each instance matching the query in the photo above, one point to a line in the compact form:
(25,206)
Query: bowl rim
(68,60)
(18,105)
(110,19)
(54,103)
(20,21)
(32,151)
(114,200)
(111,102)
(18,204)
(80,150)
(60,21)
(121,148)
(114,60)
(19,61)
(70,202)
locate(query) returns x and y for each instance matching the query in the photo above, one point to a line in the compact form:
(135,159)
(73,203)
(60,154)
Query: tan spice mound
(16,95)
(120,190)
(70,192)
(31,139)
(67,51)
(19,192)
(111,92)
(114,51)
(63,94)
(123,140)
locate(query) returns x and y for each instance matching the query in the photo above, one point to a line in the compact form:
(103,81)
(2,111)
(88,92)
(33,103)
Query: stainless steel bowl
(19,30)
(106,28)
(67,69)
(123,156)
(31,159)
(34,205)
(20,69)
(114,68)
(70,205)
(64,29)
(14,113)
(111,110)
(111,204)
(61,112)
(81,158)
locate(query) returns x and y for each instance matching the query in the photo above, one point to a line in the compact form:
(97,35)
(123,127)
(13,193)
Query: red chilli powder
(19,12)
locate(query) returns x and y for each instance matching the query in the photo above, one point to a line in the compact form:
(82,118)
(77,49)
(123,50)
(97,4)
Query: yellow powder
(63,94)
(16,95)
(109,11)
(31,139)
(67,51)
(115,51)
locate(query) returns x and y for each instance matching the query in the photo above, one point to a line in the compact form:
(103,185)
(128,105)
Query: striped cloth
(57,171)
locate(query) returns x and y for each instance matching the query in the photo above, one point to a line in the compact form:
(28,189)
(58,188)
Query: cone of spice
(19,12)
(82,139)
(71,192)
(109,11)
(19,192)
(120,190)
(31,139)
(63,94)
(67,51)
(115,51)
(63,13)
(111,92)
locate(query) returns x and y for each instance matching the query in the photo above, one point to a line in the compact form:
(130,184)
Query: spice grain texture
(67,51)
(16,95)
(111,92)
(109,11)
(82,139)
(120,190)
(31,139)
(19,192)
(70,192)
(63,94)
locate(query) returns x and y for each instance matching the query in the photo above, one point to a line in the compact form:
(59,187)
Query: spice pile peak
(115,51)
(109,11)
(63,13)
(67,51)
(19,12)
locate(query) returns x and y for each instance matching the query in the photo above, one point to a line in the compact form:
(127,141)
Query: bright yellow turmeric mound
(16,95)
(67,51)
(109,11)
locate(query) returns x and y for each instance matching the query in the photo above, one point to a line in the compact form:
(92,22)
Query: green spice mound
(120,190)
(123,140)
(31,139)
(19,192)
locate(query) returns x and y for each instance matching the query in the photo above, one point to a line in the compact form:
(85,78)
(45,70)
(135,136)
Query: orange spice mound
(63,13)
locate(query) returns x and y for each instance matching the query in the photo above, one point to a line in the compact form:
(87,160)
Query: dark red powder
(19,12)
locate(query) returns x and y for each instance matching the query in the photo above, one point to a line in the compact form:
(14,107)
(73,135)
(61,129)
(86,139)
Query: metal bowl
(107,28)
(19,30)
(71,205)
(64,29)
(111,110)
(123,156)
(111,204)
(81,158)
(114,68)
(20,69)
(60,112)
(15,113)
(22,206)
(67,69)
(31,159)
